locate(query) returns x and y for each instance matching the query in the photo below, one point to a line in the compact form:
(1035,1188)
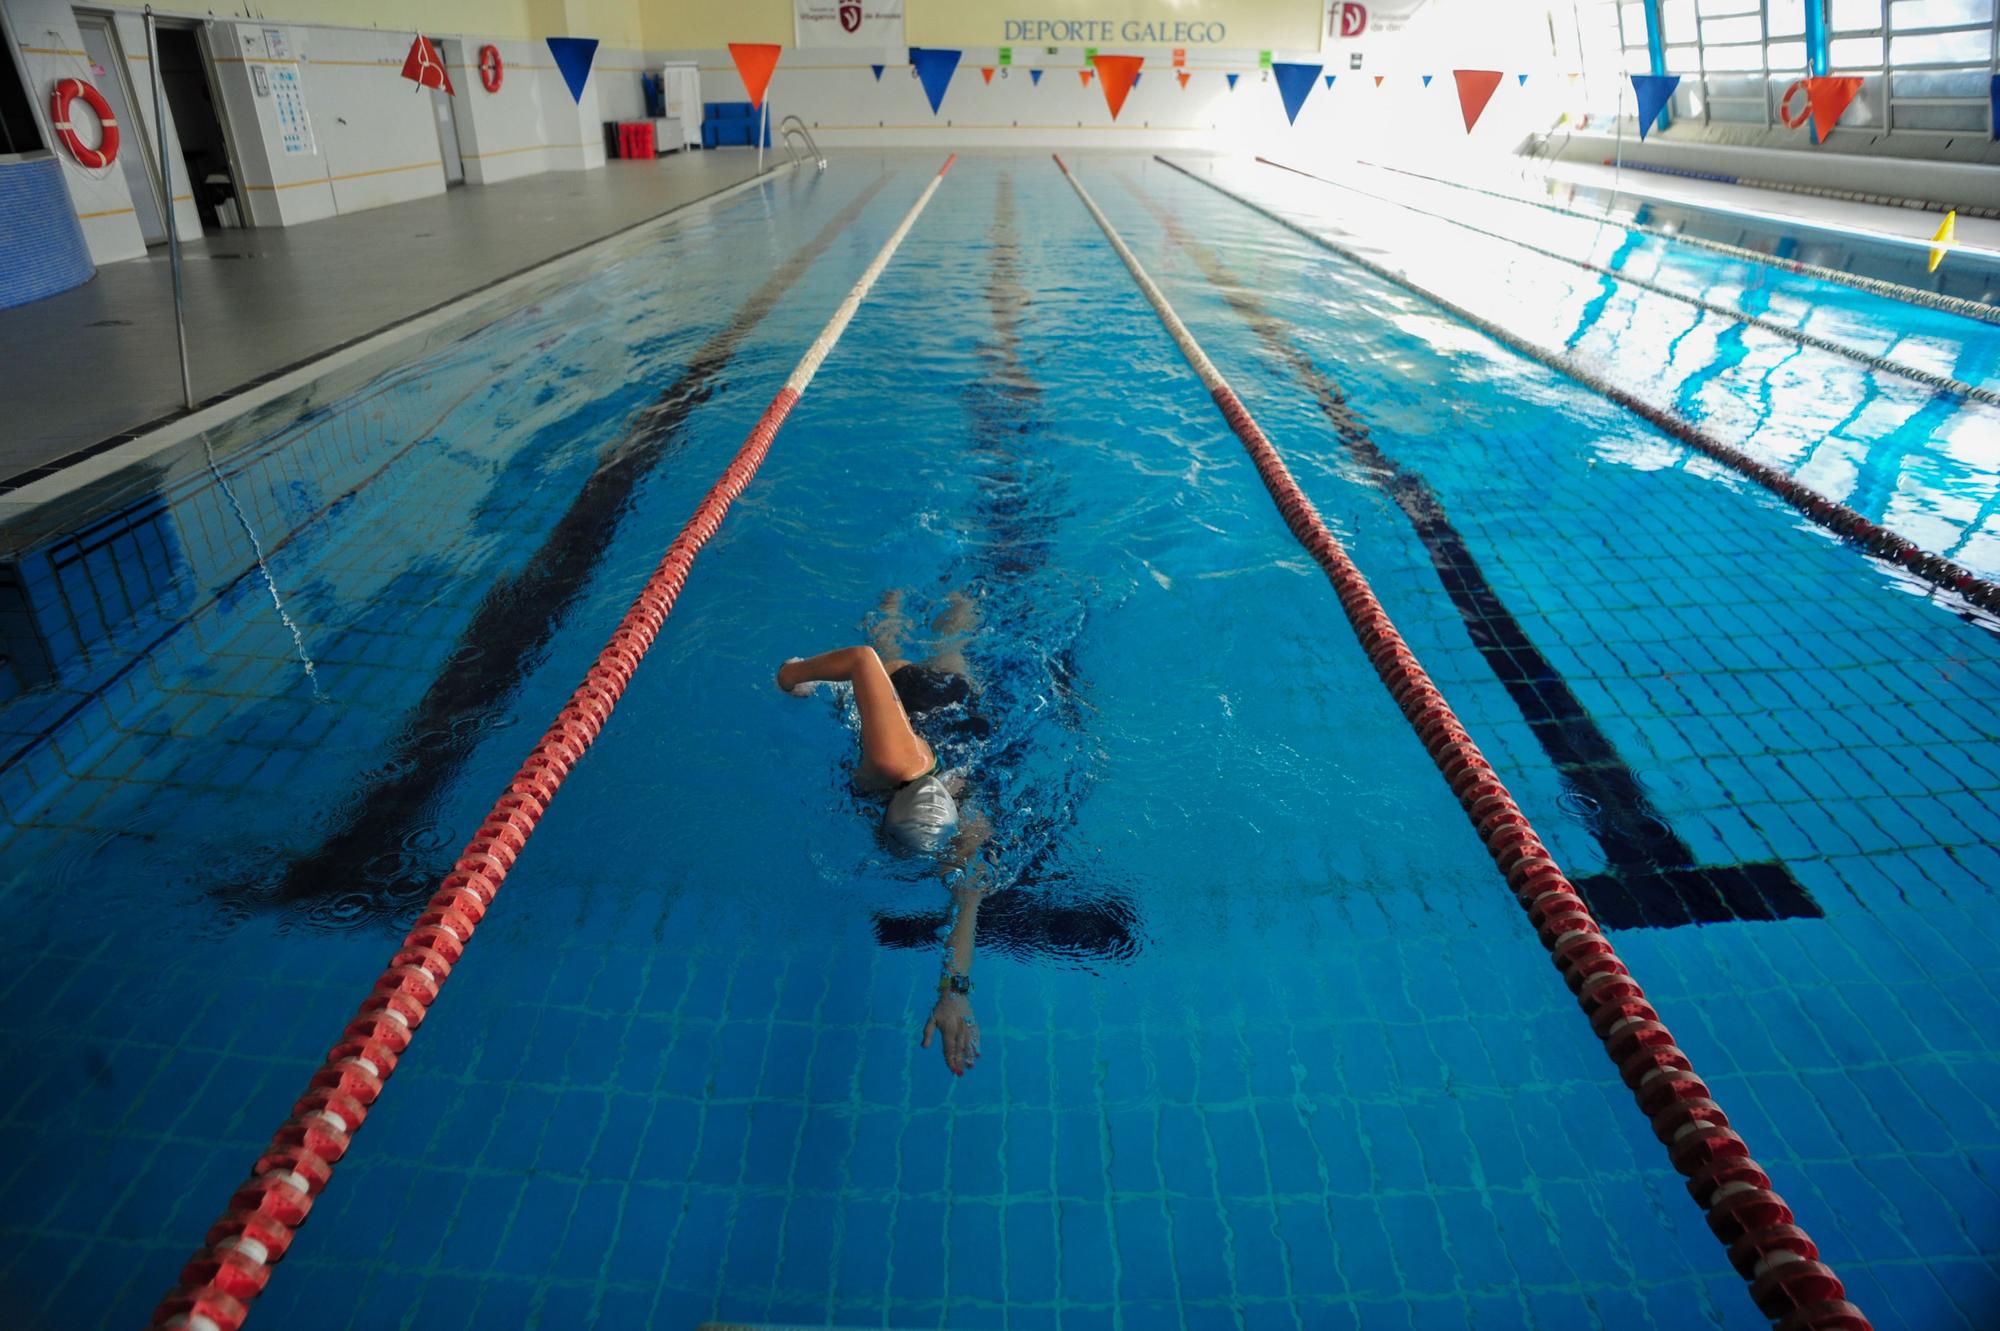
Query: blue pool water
(1267,1042)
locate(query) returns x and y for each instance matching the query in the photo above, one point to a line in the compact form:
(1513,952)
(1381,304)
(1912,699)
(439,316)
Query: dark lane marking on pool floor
(1037,909)
(516,619)
(1652,879)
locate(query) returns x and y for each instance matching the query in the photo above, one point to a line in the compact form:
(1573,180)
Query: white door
(447,124)
(135,156)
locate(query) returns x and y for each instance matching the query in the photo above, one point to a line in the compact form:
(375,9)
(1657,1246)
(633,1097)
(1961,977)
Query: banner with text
(1287,25)
(876,25)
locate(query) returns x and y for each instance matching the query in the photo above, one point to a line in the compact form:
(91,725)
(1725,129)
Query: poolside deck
(99,361)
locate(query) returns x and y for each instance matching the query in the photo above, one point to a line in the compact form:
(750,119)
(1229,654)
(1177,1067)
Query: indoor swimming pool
(1267,1041)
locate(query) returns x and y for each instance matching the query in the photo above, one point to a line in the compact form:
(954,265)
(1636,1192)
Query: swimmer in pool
(922,813)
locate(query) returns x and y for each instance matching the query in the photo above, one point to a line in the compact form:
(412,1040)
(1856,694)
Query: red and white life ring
(1785,106)
(106,151)
(490,68)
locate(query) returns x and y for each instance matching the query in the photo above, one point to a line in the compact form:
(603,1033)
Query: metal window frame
(1818,37)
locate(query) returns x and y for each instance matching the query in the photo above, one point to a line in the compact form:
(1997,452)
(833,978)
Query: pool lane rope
(1781,1262)
(1831,514)
(234,1264)
(1874,286)
(1943,383)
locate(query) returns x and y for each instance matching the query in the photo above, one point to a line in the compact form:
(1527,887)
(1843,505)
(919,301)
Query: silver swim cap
(921,816)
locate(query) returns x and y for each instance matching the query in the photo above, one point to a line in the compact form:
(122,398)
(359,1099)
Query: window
(1925,65)
(18,131)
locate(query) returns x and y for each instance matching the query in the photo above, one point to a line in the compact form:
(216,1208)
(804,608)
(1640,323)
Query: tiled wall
(41,242)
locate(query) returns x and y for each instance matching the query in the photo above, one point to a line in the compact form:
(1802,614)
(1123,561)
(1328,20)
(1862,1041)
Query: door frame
(201,28)
(142,128)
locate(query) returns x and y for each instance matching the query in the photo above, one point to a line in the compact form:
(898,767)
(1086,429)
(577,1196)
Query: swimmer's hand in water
(789,679)
(952,1018)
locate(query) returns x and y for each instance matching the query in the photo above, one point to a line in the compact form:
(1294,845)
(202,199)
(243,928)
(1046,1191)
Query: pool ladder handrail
(790,128)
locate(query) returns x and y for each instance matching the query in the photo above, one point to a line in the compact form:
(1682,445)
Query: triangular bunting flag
(573,56)
(1379,78)
(1993,93)
(1295,84)
(1829,99)
(1475,90)
(754,63)
(986,72)
(1653,91)
(1084,75)
(1428,78)
(1118,73)
(424,67)
(1948,233)
(1521,80)
(934,70)
(1330,78)
(1035,77)
(878,72)
(1182,75)
(1232,81)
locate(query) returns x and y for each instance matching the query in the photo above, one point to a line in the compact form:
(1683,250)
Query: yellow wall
(1283,25)
(614,22)
(485,18)
(705,25)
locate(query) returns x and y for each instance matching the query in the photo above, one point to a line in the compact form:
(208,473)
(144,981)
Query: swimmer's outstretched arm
(890,750)
(952,1016)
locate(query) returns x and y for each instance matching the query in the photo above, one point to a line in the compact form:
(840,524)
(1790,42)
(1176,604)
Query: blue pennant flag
(1654,91)
(1994,93)
(934,70)
(1232,80)
(1136,78)
(1521,79)
(1295,84)
(1035,77)
(1330,78)
(573,56)
(878,72)
(1428,78)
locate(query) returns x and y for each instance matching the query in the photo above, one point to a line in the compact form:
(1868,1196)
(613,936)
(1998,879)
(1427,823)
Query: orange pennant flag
(1379,78)
(986,72)
(1475,90)
(1182,75)
(1118,73)
(1084,74)
(754,63)
(1829,99)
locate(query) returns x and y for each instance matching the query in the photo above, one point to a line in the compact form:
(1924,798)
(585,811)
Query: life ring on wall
(1785,106)
(490,68)
(106,151)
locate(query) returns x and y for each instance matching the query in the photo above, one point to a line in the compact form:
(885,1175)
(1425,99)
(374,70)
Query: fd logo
(1353,20)
(850,17)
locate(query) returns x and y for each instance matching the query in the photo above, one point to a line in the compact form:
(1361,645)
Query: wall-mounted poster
(874,24)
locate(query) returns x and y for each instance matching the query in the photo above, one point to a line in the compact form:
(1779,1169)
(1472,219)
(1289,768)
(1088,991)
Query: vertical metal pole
(1656,53)
(763,133)
(167,188)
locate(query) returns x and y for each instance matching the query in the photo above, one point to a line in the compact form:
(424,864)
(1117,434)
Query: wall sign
(875,24)
(288,97)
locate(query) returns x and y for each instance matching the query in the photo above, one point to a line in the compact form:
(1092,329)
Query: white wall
(45,34)
(374,136)
(838,95)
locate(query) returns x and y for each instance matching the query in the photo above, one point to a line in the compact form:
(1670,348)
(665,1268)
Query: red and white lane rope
(1943,383)
(230,1270)
(1787,1279)
(1831,514)
(1874,286)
